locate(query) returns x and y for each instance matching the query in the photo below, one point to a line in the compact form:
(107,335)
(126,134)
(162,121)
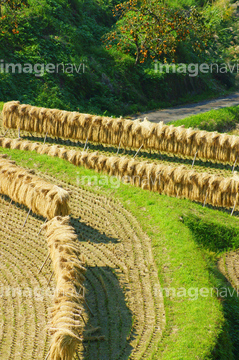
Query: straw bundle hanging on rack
(172,181)
(25,188)
(127,133)
(10,114)
(67,324)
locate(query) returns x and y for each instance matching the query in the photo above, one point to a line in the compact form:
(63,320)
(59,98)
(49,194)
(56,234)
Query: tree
(153,30)
(9,21)
(12,4)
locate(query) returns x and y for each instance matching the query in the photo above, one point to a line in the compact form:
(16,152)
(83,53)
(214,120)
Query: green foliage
(187,3)
(153,29)
(14,4)
(222,19)
(221,120)
(57,31)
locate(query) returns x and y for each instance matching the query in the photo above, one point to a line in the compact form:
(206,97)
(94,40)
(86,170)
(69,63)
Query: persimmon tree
(8,21)
(14,4)
(153,30)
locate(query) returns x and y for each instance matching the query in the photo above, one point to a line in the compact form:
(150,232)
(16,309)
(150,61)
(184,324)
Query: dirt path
(121,281)
(182,111)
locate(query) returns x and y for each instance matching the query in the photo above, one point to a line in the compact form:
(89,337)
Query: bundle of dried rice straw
(25,188)
(67,320)
(165,179)
(128,133)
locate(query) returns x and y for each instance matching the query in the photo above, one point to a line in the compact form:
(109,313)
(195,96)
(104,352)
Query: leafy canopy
(151,29)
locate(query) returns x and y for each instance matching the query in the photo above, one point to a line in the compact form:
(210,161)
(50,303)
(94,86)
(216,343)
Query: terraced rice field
(153,156)
(123,291)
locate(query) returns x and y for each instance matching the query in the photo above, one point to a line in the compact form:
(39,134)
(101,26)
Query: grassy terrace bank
(187,240)
(221,120)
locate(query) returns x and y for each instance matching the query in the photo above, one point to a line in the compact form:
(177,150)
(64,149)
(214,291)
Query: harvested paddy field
(121,281)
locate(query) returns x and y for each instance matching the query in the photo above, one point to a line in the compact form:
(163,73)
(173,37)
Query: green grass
(222,120)
(1,105)
(211,234)
(203,328)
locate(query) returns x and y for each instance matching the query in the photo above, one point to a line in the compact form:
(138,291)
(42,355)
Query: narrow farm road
(182,111)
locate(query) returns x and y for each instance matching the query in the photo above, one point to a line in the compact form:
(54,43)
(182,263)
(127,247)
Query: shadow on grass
(220,237)
(213,235)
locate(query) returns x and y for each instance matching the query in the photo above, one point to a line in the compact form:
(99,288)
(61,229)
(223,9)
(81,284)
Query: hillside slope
(90,78)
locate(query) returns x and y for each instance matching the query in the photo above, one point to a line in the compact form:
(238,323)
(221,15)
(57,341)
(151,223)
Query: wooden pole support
(26,218)
(234,207)
(85,143)
(118,147)
(89,308)
(5,133)
(234,165)
(41,228)
(138,151)
(45,138)
(44,263)
(194,158)
(47,355)
(50,278)
(82,318)
(205,199)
